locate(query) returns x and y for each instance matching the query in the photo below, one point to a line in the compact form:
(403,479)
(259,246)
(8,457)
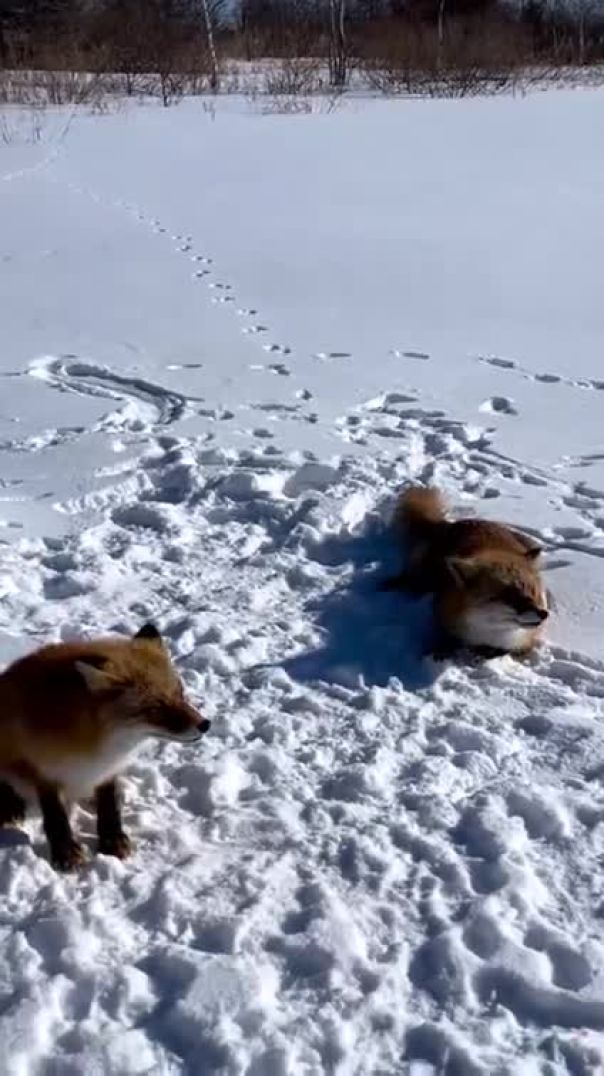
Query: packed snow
(228,339)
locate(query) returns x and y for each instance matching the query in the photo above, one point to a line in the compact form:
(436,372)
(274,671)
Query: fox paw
(68,856)
(118,845)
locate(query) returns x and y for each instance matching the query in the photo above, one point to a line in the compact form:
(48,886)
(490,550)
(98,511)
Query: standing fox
(488,592)
(70,716)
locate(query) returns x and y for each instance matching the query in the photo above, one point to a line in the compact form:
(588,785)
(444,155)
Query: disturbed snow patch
(372,856)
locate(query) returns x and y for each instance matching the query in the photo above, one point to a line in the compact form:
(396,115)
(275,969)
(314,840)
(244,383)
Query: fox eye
(177,696)
(508,595)
(171,718)
(515,599)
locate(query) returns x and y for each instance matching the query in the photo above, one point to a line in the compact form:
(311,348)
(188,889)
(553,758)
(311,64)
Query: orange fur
(71,714)
(50,714)
(483,575)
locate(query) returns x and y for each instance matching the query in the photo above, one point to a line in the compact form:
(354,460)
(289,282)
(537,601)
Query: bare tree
(440,29)
(209,25)
(338,53)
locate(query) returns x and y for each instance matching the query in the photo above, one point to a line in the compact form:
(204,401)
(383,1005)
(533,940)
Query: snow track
(375,863)
(69,374)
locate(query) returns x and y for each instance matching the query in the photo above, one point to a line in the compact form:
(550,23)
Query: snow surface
(227,339)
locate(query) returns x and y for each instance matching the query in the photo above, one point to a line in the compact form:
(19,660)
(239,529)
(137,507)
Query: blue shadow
(370,636)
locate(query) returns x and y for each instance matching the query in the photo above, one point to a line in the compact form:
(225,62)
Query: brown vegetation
(67,50)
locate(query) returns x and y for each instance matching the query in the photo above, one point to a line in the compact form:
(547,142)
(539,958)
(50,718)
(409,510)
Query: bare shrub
(292,77)
(51,87)
(472,57)
(286,105)
(25,126)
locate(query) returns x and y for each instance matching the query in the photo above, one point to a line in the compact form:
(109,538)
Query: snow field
(375,863)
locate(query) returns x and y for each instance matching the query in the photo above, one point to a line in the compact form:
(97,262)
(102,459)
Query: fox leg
(12,805)
(112,839)
(442,646)
(488,652)
(65,852)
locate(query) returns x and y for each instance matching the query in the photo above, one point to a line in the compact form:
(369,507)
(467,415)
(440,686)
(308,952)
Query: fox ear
(462,569)
(533,552)
(148,633)
(95,678)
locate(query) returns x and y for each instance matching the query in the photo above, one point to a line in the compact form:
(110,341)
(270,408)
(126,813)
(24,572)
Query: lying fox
(488,592)
(71,715)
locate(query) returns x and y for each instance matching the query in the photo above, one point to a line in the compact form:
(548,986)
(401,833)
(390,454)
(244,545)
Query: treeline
(391,41)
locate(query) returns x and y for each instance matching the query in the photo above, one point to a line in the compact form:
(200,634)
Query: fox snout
(192,735)
(533,617)
(195,734)
(180,722)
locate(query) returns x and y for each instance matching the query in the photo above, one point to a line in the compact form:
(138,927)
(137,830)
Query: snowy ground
(227,339)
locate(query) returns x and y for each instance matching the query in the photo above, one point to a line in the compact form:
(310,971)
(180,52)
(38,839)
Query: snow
(228,339)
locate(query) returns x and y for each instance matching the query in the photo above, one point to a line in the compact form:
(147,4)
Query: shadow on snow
(369,636)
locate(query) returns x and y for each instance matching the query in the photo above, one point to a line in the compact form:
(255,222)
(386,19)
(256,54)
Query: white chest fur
(487,627)
(79,775)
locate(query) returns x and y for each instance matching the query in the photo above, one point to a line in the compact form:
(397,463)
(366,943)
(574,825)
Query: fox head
(134,683)
(507,593)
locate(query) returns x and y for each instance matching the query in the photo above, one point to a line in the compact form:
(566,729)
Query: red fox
(71,715)
(488,592)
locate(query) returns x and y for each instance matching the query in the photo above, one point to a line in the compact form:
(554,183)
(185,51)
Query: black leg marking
(65,852)
(12,805)
(443,650)
(488,652)
(442,646)
(112,839)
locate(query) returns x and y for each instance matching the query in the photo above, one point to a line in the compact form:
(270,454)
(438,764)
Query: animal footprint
(249,313)
(325,356)
(572,533)
(500,405)
(252,329)
(280,368)
(410,354)
(494,360)
(571,970)
(548,379)
(277,349)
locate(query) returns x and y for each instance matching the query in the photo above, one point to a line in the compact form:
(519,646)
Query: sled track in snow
(68,373)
